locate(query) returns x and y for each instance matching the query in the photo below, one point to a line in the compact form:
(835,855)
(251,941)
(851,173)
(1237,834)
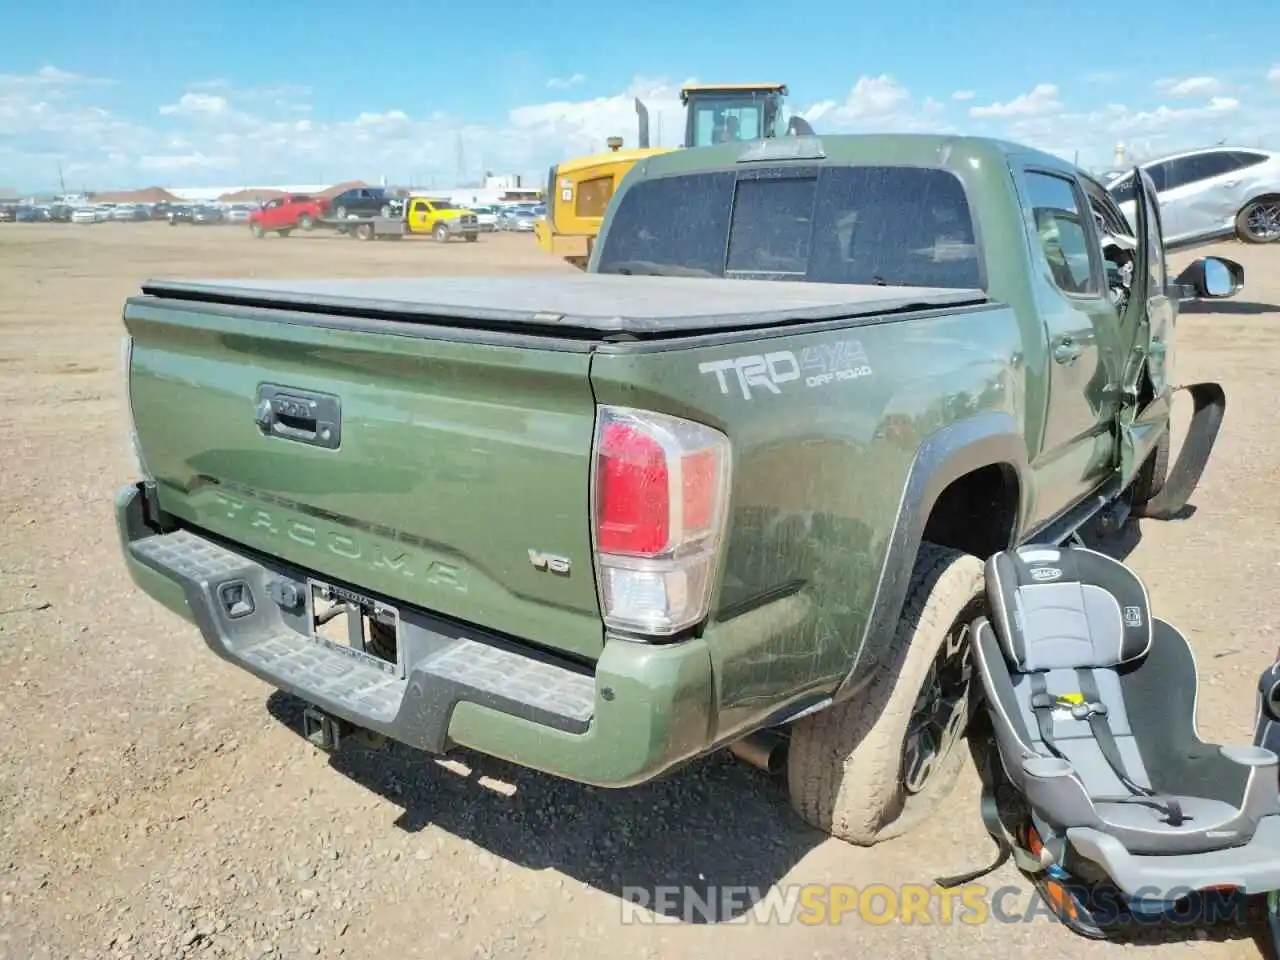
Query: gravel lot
(156,802)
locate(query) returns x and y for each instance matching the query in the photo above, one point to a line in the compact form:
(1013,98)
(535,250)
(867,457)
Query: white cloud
(1273,75)
(1041,101)
(565,83)
(963,95)
(216,131)
(877,104)
(171,163)
(381,119)
(190,104)
(1191,87)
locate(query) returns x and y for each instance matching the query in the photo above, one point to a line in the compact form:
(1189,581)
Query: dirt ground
(156,802)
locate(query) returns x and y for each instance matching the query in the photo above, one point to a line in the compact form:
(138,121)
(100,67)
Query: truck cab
(442,219)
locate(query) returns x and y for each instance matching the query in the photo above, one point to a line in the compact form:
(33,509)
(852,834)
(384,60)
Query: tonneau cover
(603,303)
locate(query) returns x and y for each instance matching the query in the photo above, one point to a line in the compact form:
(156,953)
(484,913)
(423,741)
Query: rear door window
(867,225)
(678,222)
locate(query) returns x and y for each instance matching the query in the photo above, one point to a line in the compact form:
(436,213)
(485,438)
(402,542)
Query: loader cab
(723,113)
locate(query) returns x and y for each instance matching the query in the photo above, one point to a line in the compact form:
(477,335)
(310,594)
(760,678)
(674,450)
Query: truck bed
(584,305)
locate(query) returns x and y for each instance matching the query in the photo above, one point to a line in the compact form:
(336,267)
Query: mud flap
(1209,405)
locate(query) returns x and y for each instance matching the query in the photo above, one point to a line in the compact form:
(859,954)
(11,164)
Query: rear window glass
(867,225)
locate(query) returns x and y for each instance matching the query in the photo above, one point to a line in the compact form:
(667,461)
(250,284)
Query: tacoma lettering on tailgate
(377,555)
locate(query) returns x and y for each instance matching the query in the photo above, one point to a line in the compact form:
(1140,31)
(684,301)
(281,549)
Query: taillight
(660,503)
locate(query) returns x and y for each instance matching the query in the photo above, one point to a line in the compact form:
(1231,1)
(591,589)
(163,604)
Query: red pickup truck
(284,214)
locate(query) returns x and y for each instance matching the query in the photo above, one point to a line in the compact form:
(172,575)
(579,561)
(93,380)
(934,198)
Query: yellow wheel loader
(579,190)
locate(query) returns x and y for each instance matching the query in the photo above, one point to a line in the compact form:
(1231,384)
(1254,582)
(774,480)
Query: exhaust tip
(765,750)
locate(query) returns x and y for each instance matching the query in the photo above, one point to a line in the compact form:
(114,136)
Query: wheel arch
(985,457)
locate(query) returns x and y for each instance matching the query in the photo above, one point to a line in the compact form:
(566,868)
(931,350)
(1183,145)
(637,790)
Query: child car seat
(1092,703)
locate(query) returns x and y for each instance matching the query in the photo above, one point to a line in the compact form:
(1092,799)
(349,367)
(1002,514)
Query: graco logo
(1045,574)
(1133,616)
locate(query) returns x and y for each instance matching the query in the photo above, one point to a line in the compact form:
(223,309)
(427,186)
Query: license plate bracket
(356,626)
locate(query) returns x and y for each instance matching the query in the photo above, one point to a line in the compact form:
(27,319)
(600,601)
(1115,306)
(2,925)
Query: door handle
(1232,183)
(1066,351)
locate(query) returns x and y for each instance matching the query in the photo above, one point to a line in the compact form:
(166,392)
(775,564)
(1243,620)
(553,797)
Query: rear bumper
(643,710)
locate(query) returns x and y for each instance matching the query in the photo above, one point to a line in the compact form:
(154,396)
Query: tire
(385,211)
(257,231)
(364,231)
(340,213)
(471,237)
(847,766)
(1250,232)
(305,222)
(285,232)
(440,234)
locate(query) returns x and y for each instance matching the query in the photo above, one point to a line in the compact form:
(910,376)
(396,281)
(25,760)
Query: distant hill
(145,195)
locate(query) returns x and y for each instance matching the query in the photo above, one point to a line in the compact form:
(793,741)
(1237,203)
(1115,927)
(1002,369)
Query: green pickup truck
(731,487)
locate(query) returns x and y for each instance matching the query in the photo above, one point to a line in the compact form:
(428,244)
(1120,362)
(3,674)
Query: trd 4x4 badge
(818,366)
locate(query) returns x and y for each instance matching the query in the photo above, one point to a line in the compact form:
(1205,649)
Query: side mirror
(1211,278)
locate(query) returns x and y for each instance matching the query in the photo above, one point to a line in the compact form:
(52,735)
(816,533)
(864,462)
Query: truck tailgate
(449,468)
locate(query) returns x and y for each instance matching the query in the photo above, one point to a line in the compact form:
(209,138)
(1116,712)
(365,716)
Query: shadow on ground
(714,824)
(1239,308)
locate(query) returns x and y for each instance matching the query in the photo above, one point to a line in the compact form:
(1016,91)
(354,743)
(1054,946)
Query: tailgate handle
(300,415)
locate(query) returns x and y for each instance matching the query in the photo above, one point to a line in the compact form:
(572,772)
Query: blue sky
(278,90)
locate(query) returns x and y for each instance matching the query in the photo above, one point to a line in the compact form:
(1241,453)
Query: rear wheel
(441,233)
(364,231)
(386,210)
(305,222)
(340,213)
(1259,221)
(873,767)
(472,237)
(285,232)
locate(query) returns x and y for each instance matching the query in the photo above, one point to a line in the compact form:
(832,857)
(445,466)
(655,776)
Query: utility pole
(62,184)
(462,161)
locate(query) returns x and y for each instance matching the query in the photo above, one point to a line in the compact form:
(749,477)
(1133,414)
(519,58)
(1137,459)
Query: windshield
(869,225)
(729,118)
(443,205)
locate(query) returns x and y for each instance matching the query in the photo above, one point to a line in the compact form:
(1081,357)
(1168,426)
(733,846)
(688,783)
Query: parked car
(7,214)
(102,212)
(239,212)
(181,213)
(129,211)
(284,214)
(486,217)
(367,202)
(624,574)
(522,221)
(84,215)
(207,214)
(1212,193)
(32,214)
